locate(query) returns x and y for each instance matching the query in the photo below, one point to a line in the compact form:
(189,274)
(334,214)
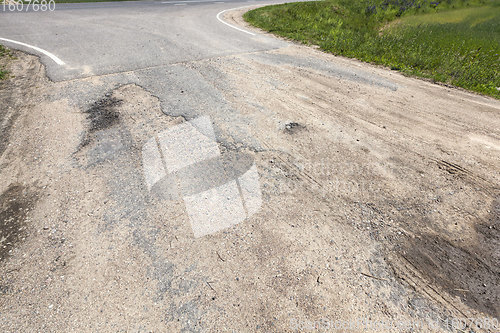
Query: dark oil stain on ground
(102,115)
(15,203)
(471,273)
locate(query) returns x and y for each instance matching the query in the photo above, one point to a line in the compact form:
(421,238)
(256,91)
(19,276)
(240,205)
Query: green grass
(4,53)
(456,41)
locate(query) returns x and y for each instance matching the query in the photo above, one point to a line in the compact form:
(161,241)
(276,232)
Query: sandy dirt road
(380,199)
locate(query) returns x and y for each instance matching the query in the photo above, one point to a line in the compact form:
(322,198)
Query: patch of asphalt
(184,90)
(115,151)
(101,115)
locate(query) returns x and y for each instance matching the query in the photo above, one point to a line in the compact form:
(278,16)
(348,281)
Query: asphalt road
(348,192)
(104,38)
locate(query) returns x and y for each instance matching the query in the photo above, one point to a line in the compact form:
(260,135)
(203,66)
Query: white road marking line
(48,54)
(232,26)
(180,4)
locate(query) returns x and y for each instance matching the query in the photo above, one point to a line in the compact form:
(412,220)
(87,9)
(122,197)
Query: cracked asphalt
(379,202)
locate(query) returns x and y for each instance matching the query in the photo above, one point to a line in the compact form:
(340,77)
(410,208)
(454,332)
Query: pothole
(293,127)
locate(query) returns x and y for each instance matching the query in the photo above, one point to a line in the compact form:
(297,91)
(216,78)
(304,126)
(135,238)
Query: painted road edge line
(47,53)
(232,26)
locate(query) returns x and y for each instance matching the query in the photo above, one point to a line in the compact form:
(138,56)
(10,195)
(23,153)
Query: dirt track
(381,200)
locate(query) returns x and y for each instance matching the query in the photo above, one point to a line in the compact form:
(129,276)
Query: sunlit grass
(455,42)
(3,54)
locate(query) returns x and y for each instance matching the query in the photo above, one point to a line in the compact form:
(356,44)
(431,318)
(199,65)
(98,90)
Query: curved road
(104,38)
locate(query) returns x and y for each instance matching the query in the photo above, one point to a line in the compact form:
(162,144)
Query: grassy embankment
(452,41)
(4,53)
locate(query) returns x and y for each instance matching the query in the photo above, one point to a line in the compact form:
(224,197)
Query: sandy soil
(381,201)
